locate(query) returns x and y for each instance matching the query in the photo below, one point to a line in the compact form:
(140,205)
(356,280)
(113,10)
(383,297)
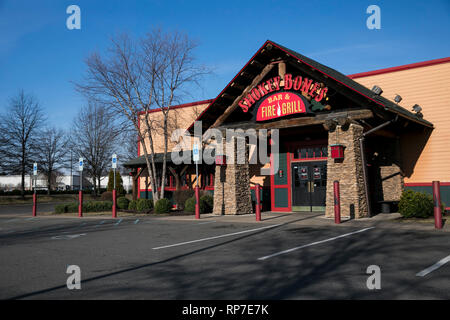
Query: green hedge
(189,205)
(88,206)
(209,202)
(144,205)
(415,204)
(163,206)
(132,205)
(123,203)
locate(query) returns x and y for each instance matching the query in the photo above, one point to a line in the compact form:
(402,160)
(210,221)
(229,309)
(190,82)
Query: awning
(140,162)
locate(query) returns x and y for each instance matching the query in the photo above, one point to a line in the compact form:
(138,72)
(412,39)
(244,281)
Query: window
(312,152)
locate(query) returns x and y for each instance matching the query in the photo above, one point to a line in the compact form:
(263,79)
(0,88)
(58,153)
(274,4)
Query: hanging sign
(195,152)
(280,105)
(316,174)
(114,161)
(304,173)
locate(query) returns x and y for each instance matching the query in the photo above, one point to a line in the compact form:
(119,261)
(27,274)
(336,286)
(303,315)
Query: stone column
(348,172)
(232,185)
(392,180)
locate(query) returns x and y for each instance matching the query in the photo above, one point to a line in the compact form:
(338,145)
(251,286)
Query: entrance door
(309,185)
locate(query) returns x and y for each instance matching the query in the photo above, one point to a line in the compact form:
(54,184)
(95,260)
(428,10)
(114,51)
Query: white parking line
(137,220)
(216,237)
(118,222)
(313,244)
(435,266)
(102,222)
(206,222)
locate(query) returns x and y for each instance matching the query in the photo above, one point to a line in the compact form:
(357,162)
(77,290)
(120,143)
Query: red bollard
(80,205)
(258,203)
(437,205)
(114,211)
(337,203)
(34,204)
(197,203)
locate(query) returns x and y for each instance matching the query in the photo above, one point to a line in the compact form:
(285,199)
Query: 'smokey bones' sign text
(315,90)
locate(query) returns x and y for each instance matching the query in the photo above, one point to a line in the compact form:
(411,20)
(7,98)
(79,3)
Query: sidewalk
(317,219)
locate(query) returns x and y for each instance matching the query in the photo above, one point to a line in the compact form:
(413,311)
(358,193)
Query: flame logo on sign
(280,105)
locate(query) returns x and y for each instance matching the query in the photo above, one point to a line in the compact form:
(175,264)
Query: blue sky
(39,54)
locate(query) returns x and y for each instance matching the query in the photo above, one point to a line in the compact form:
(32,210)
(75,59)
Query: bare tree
(52,148)
(137,76)
(20,127)
(94,137)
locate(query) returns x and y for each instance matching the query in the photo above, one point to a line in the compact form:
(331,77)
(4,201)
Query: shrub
(189,206)
(208,200)
(163,206)
(122,203)
(132,205)
(144,205)
(107,196)
(180,197)
(72,207)
(88,206)
(415,204)
(60,208)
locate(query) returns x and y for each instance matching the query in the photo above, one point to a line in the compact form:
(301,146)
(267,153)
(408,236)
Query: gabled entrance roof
(271,52)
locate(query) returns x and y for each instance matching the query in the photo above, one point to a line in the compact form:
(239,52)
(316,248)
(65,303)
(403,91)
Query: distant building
(66,182)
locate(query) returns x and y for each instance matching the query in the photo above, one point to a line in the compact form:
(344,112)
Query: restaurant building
(376,133)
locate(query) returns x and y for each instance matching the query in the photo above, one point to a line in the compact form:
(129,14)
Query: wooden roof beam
(233,106)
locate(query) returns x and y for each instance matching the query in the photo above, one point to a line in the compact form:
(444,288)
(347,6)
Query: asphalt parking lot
(286,256)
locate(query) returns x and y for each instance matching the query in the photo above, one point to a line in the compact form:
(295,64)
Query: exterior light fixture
(416,108)
(337,151)
(397,98)
(221,160)
(377,90)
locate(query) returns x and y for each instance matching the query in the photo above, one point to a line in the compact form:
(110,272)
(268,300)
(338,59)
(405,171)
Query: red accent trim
(377,102)
(288,156)
(399,68)
(185,105)
(139,141)
(262,187)
(308,159)
(284,186)
(425,184)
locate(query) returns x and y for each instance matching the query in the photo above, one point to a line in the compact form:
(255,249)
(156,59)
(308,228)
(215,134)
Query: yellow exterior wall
(179,118)
(429,87)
